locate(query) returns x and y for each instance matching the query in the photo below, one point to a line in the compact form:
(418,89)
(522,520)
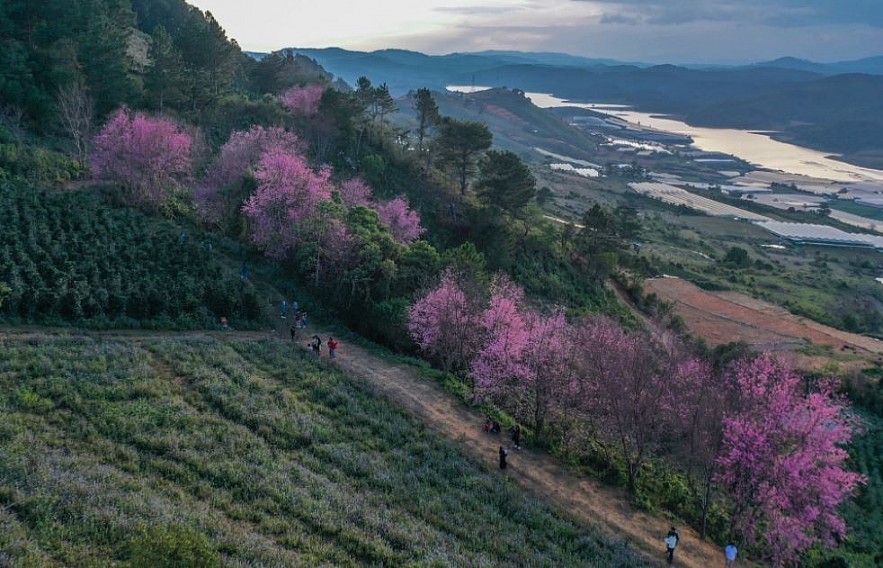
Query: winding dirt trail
(588,502)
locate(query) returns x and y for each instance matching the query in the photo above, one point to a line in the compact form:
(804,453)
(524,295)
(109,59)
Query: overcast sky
(655,31)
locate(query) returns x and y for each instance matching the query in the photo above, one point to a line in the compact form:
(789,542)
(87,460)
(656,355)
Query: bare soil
(724,317)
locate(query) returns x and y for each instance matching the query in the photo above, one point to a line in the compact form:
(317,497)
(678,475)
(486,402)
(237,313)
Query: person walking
(503,454)
(671,542)
(283,309)
(316,344)
(730,552)
(516,436)
(293,331)
(332,348)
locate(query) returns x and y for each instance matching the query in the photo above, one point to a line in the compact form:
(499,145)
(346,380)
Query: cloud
(777,13)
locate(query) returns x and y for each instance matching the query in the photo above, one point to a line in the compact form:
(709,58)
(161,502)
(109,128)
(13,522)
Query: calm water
(753,147)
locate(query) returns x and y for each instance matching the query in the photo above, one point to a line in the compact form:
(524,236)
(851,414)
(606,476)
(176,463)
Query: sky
(652,31)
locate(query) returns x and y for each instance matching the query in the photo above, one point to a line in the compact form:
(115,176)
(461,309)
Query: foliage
(146,157)
(220,196)
(288,193)
(303,101)
(751,433)
(505,181)
(782,460)
(172,546)
(110,267)
(445,324)
(402,221)
(37,165)
(460,143)
(427,115)
(221,450)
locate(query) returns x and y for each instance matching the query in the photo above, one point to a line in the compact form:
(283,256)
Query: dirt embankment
(724,317)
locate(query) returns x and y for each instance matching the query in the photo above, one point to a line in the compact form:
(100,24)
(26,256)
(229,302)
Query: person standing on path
(316,344)
(293,331)
(503,454)
(283,309)
(332,348)
(516,436)
(730,552)
(671,542)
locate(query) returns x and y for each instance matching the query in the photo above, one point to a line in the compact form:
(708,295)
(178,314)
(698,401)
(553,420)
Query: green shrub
(172,546)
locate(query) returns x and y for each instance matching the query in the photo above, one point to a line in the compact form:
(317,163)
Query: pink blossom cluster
(303,101)
(772,448)
(146,156)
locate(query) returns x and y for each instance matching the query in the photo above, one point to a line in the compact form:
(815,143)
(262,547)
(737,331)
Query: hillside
(200,194)
(230,449)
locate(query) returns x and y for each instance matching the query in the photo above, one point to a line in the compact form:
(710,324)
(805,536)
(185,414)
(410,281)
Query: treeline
(60,58)
(758,451)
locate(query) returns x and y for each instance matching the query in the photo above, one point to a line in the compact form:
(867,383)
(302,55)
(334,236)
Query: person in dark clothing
(516,436)
(495,427)
(671,542)
(503,454)
(316,344)
(293,331)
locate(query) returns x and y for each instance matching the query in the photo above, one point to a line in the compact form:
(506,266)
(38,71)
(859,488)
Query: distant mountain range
(404,70)
(834,107)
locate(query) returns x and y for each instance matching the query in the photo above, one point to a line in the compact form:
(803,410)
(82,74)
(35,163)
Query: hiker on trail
(316,344)
(495,427)
(293,331)
(283,309)
(503,454)
(730,552)
(488,423)
(243,272)
(671,542)
(303,318)
(298,319)
(332,348)
(295,307)
(516,436)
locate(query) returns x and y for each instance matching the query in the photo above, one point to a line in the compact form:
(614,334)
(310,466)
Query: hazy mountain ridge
(829,106)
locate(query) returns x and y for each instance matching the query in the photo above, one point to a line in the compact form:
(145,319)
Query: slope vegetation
(234,449)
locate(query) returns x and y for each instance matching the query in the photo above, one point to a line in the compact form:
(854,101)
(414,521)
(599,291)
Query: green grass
(228,452)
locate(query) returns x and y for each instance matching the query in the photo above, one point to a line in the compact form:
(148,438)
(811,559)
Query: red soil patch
(723,317)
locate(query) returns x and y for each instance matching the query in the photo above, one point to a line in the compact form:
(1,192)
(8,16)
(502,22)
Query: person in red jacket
(332,348)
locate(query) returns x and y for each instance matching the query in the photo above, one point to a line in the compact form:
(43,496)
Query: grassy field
(228,451)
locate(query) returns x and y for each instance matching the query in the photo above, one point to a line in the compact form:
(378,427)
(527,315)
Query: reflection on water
(753,147)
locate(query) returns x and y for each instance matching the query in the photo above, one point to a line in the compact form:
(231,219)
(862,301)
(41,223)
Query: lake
(753,147)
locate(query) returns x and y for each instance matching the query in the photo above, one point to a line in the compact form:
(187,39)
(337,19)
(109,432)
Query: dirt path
(603,508)
(600,507)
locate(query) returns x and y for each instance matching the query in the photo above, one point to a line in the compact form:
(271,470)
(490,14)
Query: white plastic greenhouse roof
(820,234)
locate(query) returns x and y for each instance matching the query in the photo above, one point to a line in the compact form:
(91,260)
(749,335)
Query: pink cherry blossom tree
(525,361)
(445,323)
(303,101)
(782,463)
(627,390)
(287,194)
(355,192)
(218,195)
(402,221)
(146,156)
